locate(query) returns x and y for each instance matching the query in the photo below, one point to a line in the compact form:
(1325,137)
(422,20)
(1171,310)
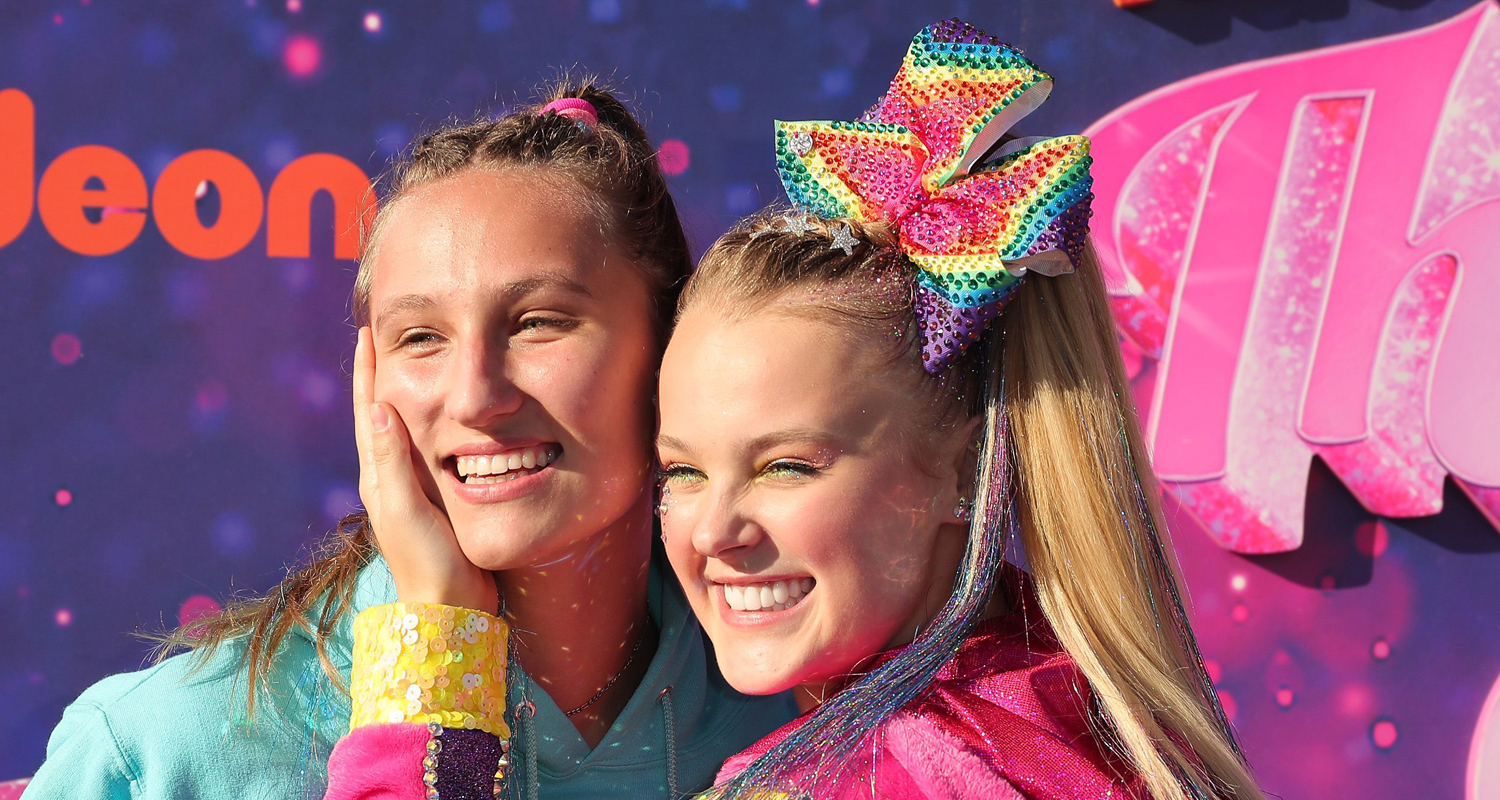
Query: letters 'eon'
(63,195)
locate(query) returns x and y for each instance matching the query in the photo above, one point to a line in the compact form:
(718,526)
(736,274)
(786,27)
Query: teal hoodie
(170,732)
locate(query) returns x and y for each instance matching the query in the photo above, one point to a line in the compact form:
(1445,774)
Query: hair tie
(574,108)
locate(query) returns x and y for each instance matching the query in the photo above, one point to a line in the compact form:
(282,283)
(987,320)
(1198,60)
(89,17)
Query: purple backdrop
(173,430)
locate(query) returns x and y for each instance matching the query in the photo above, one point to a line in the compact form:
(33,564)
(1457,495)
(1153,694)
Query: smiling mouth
(769,596)
(504,467)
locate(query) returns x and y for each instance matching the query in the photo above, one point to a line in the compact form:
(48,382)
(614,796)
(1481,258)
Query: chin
(754,668)
(756,683)
(502,544)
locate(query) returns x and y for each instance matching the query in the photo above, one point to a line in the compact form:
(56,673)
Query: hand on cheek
(414,535)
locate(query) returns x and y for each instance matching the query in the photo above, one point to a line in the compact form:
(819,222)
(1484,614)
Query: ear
(961,452)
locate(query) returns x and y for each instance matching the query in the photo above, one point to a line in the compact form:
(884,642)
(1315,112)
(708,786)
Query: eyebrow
(759,444)
(770,439)
(510,292)
(401,305)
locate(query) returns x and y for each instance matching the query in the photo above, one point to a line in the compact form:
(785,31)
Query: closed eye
(791,467)
(417,338)
(546,324)
(672,473)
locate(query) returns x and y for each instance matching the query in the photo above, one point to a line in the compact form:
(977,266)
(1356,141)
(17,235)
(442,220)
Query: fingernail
(378,417)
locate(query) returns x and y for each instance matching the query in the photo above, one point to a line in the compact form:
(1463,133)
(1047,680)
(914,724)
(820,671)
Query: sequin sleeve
(428,692)
(429,663)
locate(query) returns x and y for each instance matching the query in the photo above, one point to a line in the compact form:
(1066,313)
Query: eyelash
(416,337)
(533,323)
(794,466)
(803,469)
(672,472)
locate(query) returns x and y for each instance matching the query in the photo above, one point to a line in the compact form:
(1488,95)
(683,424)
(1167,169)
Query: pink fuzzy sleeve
(379,762)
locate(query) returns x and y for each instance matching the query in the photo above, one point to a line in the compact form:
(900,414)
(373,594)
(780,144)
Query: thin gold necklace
(636,648)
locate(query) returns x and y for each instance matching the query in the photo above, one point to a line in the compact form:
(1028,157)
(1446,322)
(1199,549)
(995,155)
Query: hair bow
(910,161)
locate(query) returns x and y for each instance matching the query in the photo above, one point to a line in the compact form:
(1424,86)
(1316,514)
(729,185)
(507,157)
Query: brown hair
(1094,543)
(615,165)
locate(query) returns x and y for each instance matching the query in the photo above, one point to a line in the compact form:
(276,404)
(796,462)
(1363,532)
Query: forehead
(730,376)
(482,227)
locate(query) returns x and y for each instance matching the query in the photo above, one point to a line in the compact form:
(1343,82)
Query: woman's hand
(414,535)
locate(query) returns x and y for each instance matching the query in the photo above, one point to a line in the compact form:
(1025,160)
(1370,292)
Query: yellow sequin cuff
(416,662)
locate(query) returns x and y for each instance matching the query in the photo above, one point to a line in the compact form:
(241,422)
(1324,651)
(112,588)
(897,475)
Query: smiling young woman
(869,399)
(514,295)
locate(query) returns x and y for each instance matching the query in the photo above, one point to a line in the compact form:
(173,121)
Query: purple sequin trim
(466,766)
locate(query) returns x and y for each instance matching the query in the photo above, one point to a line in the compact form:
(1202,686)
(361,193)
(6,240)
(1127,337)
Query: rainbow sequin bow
(911,159)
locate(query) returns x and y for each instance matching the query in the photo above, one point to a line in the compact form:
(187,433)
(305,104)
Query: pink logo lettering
(1303,258)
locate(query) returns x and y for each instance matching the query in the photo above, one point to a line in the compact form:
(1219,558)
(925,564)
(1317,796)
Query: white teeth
(773,596)
(475,469)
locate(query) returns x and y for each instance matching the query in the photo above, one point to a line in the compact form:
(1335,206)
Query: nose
(724,530)
(480,388)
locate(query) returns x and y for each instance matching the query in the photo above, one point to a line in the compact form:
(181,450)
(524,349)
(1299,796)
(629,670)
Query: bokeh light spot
(726,97)
(1380,649)
(1231,708)
(674,156)
(604,12)
(1240,612)
(495,16)
(66,348)
(303,55)
(212,396)
(294,6)
(373,22)
(232,534)
(63,497)
(1285,697)
(1372,539)
(195,608)
(63,617)
(1384,734)
(1238,582)
(741,198)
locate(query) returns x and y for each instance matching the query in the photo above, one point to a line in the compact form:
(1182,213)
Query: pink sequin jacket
(1005,719)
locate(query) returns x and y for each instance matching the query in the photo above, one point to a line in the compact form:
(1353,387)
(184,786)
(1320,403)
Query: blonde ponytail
(1095,544)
